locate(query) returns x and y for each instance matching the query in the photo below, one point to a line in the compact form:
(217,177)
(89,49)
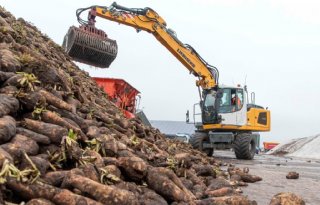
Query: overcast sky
(273,44)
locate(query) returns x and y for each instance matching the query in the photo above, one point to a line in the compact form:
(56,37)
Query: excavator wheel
(90,46)
(196,141)
(244,146)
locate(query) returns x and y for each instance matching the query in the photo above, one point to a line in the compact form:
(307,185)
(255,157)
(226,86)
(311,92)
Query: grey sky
(275,43)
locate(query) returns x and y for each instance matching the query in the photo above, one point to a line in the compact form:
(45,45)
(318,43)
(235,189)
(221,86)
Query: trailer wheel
(196,141)
(244,146)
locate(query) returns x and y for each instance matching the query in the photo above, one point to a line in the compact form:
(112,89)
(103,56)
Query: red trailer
(269,145)
(121,93)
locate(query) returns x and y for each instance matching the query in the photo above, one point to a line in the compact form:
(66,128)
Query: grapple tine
(90,46)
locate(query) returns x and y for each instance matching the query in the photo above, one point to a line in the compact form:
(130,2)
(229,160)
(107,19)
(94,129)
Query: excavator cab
(90,45)
(227,106)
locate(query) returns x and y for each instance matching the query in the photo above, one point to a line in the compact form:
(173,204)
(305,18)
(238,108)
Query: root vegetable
(5,75)
(139,129)
(149,197)
(9,90)
(227,200)
(66,197)
(32,100)
(168,185)
(14,80)
(8,62)
(292,175)
(183,160)
(54,132)
(8,105)
(13,150)
(102,193)
(198,190)
(235,177)
(93,132)
(124,123)
(80,121)
(57,102)
(113,171)
(109,145)
(90,171)
(144,145)
(55,178)
(193,177)
(118,128)
(97,160)
(284,198)
(218,183)
(245,176)
(7,128)
(25,144)
(50,149)
(248,177)
(186,182)
(54,118)
(56,195)
(4,156)
(39,138)
(220,192)
(103,117)
(36,190)
(110,160)
(71,122)
(41,164)
(39,202)
(134,167)
(205,170)
(74,102)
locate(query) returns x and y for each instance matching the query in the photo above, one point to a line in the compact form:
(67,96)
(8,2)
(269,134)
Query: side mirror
(187,117)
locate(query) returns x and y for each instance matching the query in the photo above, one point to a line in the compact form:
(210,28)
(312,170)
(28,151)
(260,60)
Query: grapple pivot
(90,45)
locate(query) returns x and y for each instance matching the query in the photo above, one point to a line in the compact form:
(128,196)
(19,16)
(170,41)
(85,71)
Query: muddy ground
(273,170)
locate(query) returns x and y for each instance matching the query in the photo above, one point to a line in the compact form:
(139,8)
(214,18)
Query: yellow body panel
(252,122)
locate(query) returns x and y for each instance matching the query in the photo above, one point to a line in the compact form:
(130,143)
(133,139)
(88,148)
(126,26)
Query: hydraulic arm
(148,20)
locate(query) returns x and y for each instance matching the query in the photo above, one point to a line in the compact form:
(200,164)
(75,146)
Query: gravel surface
(273,170)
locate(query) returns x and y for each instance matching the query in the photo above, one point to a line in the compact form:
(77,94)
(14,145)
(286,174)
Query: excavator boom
(85,46)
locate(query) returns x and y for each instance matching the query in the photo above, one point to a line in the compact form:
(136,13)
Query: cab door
(241,108)
(226,109)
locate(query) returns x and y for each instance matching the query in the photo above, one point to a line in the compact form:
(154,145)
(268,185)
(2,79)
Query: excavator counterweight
(90,45)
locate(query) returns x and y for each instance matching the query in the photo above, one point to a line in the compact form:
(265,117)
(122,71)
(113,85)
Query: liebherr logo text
(186,58)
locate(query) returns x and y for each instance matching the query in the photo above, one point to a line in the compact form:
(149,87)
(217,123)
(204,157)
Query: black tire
(244,146)
(196,141)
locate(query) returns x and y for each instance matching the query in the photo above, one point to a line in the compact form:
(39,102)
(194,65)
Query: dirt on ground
(273,170)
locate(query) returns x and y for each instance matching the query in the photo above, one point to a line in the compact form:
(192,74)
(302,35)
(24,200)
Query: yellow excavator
(228,119)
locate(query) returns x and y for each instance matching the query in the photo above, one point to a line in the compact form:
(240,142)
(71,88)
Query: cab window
(225,101)
(231,100)
(240,99)
(209,100)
